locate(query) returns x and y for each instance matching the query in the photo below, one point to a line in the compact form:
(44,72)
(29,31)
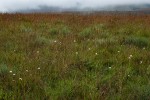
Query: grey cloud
(20,5)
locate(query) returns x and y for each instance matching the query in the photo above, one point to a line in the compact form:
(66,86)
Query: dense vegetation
(74,57)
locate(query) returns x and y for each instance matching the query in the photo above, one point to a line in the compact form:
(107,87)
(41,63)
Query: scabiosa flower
(55,41)
(14,74)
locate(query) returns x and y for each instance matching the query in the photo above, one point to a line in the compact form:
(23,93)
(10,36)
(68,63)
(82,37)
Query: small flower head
(55,41)
(109,67)
(118,51)
(89,49)
(14,74)
(77,53)
(27,71)
(130,56)
(20,79)
(96,53)
(74,41)
(38,68)
(10,71)
(141,62)
(37,51)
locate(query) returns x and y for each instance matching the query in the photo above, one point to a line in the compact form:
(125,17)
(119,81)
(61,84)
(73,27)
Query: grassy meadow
(74,57)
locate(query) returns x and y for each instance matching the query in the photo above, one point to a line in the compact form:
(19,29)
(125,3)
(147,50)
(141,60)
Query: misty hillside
(42,9)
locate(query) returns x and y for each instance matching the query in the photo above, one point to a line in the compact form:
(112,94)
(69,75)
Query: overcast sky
(14,5)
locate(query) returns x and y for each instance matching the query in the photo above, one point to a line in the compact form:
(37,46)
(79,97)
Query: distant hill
(43,8)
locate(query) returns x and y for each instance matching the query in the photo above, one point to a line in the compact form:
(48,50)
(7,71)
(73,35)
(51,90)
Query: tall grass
(73,56)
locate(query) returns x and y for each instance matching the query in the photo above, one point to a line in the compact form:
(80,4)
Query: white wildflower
(38,68)
(10,71)
(20,79)
(37,51)
(77,53)
(130,56)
